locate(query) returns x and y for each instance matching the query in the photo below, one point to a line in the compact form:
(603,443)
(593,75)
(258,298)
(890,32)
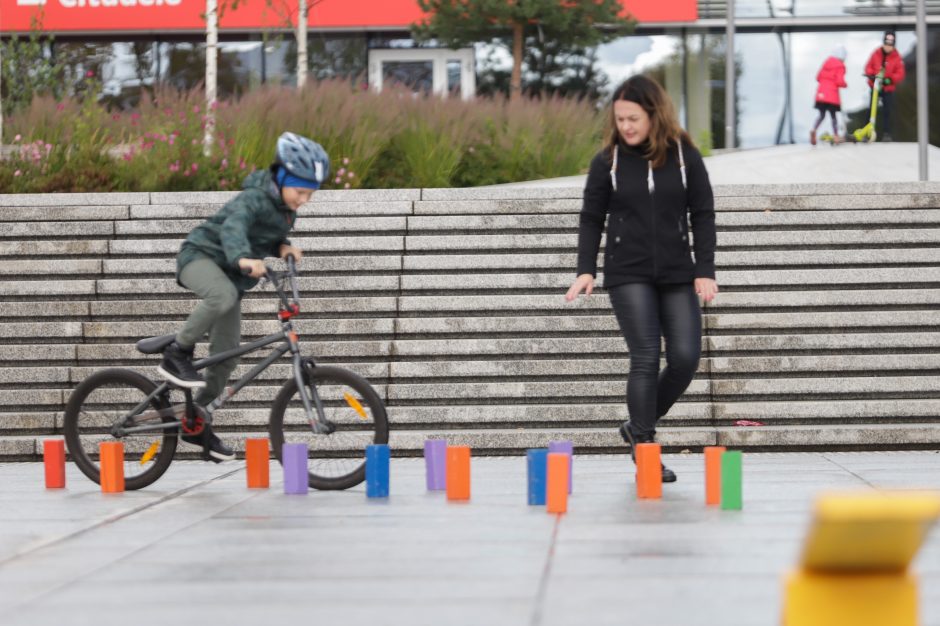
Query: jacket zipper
(653,217)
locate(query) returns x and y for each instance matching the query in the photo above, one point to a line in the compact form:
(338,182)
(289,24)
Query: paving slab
(80,557)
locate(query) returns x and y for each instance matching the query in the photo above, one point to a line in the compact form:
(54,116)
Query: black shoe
(177,367)
(669,476)
(218,451)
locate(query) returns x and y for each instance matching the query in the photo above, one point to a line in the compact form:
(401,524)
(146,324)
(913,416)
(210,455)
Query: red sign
(154,16)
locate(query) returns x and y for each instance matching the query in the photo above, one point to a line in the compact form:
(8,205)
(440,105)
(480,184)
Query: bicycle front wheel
(337,460)
(107,398)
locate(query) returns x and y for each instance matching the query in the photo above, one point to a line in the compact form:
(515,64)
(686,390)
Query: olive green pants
(219,314)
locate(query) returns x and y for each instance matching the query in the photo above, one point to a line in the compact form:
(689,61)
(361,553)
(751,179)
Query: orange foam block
(556,499)
(111,455)
(53,456)
(257,463)
(649,471)
(458,472)
(713,474)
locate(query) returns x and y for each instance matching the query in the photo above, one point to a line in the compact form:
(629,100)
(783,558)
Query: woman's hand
(289,250)
(584,282)
(706,288)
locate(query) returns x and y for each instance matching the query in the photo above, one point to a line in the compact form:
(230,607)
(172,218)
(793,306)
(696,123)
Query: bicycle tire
(351,432)
(82,433)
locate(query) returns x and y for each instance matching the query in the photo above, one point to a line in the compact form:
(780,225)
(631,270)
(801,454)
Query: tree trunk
(515,84)
(301,43)
(1,101)
(212,52)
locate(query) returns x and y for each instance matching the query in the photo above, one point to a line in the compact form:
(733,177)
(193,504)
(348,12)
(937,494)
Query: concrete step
(451,302)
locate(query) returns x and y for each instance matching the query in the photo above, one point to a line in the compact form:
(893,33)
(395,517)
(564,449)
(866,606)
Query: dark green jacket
(251,225)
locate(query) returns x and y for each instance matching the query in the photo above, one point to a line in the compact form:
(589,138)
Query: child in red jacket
(888,58)
(831,78)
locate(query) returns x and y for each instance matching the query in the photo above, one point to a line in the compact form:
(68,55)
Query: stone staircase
(826,330)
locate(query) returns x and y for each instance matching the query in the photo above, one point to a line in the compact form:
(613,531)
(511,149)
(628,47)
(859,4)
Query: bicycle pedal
(193,426)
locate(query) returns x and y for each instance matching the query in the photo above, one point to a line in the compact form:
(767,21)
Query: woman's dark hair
(665,130)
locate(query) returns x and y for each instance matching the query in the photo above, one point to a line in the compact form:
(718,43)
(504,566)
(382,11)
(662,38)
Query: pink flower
(116,117)
(170,140)
(196,108)
(128,156)
(17,138)
(60,107)
(337,180)
(345,160)
(17,173)
(224,163)
(48,147)
(135,116)
(346,186)
(223,182)
(195,167)
(90,74)
(186,173)
(195,142)
(351,175)
(341,171)
(175,167)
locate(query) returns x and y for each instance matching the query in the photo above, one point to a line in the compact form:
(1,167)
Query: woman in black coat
(649,182)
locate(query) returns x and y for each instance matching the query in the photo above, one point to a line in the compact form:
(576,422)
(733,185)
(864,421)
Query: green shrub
(392,139)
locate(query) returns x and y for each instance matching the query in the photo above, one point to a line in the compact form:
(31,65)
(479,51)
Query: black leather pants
(646,314)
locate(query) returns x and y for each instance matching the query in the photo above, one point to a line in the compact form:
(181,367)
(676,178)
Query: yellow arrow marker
(355,405)
(151,452)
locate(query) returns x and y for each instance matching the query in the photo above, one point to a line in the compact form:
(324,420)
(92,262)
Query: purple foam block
(435,463)
(567,448)
(295,468)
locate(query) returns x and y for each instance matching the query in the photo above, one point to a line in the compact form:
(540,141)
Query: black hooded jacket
(648,233)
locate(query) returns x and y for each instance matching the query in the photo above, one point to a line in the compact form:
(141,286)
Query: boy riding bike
(221,259)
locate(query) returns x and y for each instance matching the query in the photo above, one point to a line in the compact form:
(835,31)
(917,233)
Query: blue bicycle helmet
(302,158)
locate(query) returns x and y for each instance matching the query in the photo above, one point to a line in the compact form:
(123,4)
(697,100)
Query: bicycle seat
(153,345)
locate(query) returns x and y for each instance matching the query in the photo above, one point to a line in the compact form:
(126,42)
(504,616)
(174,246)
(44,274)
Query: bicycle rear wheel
(105,398)
(337,460)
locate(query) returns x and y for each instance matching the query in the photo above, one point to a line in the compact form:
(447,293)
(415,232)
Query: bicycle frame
(313,405)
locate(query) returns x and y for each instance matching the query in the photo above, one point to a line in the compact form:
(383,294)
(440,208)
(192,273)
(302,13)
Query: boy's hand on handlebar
(252,267)
(288,250)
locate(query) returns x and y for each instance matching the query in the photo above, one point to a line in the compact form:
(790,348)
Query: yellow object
(869,532)
(854,564)
(850,600)
(355,405)
(150,453)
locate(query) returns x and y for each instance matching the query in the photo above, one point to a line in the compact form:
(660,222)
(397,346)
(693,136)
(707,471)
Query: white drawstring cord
(650,183)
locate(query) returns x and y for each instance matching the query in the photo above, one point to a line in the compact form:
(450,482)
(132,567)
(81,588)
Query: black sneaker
(218,451)
(177,367)
(669,476)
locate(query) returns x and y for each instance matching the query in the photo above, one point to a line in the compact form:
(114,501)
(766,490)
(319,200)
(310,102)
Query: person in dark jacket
(831,78)
(887,58)
(648,181)
(223,257)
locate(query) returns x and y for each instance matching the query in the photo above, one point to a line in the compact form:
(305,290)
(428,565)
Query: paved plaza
(198,547)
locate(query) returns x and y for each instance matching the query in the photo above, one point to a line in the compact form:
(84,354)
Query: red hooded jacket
(894,67)
(831,77)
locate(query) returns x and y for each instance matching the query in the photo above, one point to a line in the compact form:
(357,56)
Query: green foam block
(731,497)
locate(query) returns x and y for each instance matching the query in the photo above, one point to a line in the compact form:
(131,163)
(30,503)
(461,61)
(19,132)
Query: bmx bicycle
(331,409)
